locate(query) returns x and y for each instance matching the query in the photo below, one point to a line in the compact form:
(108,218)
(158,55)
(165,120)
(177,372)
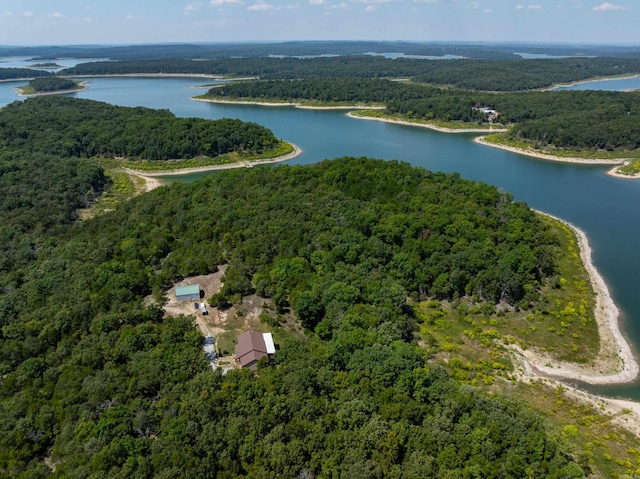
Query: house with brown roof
(253,346)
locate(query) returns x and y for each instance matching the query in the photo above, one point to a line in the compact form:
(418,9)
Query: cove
(603,206)
(611,84)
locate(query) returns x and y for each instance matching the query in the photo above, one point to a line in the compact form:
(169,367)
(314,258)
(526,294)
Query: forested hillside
(101,386)
(487,75)
(85,128)
(582,120)
(15,73)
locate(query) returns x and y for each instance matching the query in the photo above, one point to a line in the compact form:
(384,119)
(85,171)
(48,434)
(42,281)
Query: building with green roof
(191,291)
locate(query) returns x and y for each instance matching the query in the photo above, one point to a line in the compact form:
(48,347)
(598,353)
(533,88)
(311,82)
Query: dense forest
(486,75)
(588,120)
(51,84)
(101,386)
(84,128)
(20,73)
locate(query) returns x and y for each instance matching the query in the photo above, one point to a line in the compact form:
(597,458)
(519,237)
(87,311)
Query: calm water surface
(618,84)
(26,62)
(603,206)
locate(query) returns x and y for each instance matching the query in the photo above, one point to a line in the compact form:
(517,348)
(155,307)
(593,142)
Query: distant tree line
(84,128)
(485,75)
(309,48)
(593,120)
(15,73)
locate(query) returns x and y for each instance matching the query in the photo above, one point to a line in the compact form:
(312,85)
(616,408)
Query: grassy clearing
(559,319)
(121,188)
(469,338)
(630,169)
(502,139)
(257,314)
(607,449)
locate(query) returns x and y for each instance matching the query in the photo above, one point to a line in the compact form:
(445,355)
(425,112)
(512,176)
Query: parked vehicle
(203,309)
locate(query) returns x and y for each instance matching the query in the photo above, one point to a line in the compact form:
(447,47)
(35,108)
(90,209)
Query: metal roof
(250,347)
(188,290)
(268,342)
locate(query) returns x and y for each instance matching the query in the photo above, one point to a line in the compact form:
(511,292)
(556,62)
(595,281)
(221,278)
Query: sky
(72,22)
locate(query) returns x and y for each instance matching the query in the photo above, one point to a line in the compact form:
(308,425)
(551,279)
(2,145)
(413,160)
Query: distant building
(184,293)
(252,347)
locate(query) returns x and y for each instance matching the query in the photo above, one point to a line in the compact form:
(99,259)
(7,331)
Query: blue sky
(47,22)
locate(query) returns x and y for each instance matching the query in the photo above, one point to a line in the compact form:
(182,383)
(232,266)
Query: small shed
(191,291)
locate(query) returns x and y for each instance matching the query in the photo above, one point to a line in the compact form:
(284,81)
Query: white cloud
(216,3)
(317,2)
(56,15)
(473,6)
(488,10)
(427,1)
(192,7)
(342,6)
(6,13)
(131,18)
(82,20)
(375,1)
(28,13)
(292,6)
(370,8)
(260,7)
(607,7)
(529,7)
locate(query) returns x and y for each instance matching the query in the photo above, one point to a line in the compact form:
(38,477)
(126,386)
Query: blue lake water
(26,62)
(395,55)
(539,56)
(604,206)
(617,84)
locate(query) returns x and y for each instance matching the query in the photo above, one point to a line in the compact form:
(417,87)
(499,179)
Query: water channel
(603,206)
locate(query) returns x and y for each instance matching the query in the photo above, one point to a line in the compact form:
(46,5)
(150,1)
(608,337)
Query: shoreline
(441,129)
(614,172)
(614,363)
(144,75)
(592,80)
(152,180)
(544,156)
(295,105)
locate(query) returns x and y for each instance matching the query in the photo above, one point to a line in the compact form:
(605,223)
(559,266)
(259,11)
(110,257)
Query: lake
(604,206)
(612,84)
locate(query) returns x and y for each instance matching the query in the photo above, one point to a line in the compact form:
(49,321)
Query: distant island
(46,65)
(50,85)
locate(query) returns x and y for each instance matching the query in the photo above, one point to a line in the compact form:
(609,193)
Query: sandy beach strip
(153,182)
(614,172)
(295,105)
(427,125)
(543,156)
(614,362)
